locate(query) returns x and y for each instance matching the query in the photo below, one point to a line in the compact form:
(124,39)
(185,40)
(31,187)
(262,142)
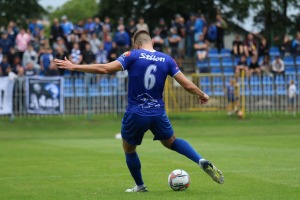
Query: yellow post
(167,95)
(243,94)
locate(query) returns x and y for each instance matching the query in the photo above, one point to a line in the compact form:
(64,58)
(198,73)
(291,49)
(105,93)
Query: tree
(19,10)
(76,10)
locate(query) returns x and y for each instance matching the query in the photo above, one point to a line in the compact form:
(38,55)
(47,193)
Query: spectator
(95,43)
(35,27)
(83,41)
(131,28)
(59,43)
(11,55)
(200,26)
(5,43)
(250,46)
(285,47)
(179,25)
(53,71)
(141,25)
(121,39)
(242,65)
(67,26)
(88,56)
(29,69)
(108,43)
(36,44)
(75,57)
(89,26)
(163,29)
(55,32)
(98,27)
(263,48)
(5,67)
(30,55)
(157,40)
(221,26)
(296,45)
(278,66)
(11,34)
(254,66)
(232,91)
(43,39)
(45,60)
(17,67)
(201,48)
(22,41)
(292,92)
(113,53)
(265,65)
(79,28)
(212,33)
(174,40)
(12,30)
(107,25)
(101,55)
(60,54)
(190,28)
(73,38)
(237,47)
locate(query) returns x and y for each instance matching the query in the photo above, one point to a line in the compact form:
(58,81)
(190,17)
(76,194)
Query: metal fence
(107,94)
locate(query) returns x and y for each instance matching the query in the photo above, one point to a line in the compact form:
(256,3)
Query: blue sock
(134,166)
(183,147)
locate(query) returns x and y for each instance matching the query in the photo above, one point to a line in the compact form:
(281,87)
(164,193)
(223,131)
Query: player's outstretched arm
(92,68)
(191,87)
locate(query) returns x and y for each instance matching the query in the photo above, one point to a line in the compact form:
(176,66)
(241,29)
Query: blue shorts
(135,126)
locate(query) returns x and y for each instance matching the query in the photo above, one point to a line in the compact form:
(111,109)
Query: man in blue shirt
(147,71)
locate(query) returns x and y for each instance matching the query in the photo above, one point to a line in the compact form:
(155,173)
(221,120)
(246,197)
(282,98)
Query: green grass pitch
(72,158)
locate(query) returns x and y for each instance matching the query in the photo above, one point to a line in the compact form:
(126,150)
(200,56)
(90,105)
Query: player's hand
(64,64)
(203,99)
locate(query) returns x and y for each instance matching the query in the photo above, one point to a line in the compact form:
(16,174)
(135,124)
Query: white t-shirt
(292,91)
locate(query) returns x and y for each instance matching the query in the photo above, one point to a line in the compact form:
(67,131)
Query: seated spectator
(278,66)
(250,46)
(88,57)
(73,38)
(265,65)
(101,55)
(89,26)
(174,40)
(60,43)
(53,70)
(285,48)
(108,43)
(242,65)
(95,43)
(122,40)
(45,60)
(29,69)
(113,53)
(11,55)
(5,43)
(254,66)
(83,41)
(30,55)
(201,48)
(237,47)
(296,45)
(263,48)
(157,40)
(5,67)
(17,67)
(75,57)
(60,54)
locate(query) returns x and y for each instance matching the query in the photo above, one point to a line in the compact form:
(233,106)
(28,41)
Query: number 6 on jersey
(149,78)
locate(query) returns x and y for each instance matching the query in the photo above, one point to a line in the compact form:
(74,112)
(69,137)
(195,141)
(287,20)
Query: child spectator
(232,91)
(29,69)
(17,67)
(237,47)
(45,60)
(75,57)
(265,66)
(101,55)
(241,65)
(250,46)
(278,66)
(254,66)
(292,92)
(201,48)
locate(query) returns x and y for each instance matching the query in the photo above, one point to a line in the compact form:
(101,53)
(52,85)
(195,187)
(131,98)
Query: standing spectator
(98,27)
(174,40)
(35,27)
(83,41)
(113,53)
(108,44)
(265,65)
(101,55)
(95,43)
(179,24)
(221,26)
(67,26)
(250,46)
(79,28)
(237,47)
(241,65)
(278,66)
(131,28)
(22,41)
(285,47)
(157,40)
(75,56)
(190,28)
(212,33)
(254,66)
(5,67)
(163,29)
(88,56)
(55,31)
(11,34)
(30,55)
(292,92)
(201,48)
(296,45)
(11,55)
(89,26)
(45,60)
(29,69)
(122,39)
(106,27)
(60,54)
(141,25)
(5,43)
(263,48)
(200,26)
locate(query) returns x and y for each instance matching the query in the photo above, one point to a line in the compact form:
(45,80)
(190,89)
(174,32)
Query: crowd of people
(29,51)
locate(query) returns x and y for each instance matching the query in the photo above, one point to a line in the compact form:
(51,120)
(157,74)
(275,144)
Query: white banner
(6,95)
(44,95)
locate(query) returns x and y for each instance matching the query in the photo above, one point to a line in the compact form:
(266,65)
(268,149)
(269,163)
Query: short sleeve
(173,67)
(125,59)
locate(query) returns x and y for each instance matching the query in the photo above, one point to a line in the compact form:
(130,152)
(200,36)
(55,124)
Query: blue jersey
(147,72)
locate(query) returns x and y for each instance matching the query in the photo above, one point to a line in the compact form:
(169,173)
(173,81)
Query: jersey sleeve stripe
(121,65)
(176,73)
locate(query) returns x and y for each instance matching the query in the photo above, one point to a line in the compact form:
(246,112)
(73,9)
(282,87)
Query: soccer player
(147,71)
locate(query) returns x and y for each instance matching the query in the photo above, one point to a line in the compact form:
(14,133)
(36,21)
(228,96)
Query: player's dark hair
(137,33)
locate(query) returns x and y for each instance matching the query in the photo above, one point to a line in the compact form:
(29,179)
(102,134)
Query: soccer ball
(179,180)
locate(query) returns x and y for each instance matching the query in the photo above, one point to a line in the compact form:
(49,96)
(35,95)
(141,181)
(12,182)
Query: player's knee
(168,143)
(128,148)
